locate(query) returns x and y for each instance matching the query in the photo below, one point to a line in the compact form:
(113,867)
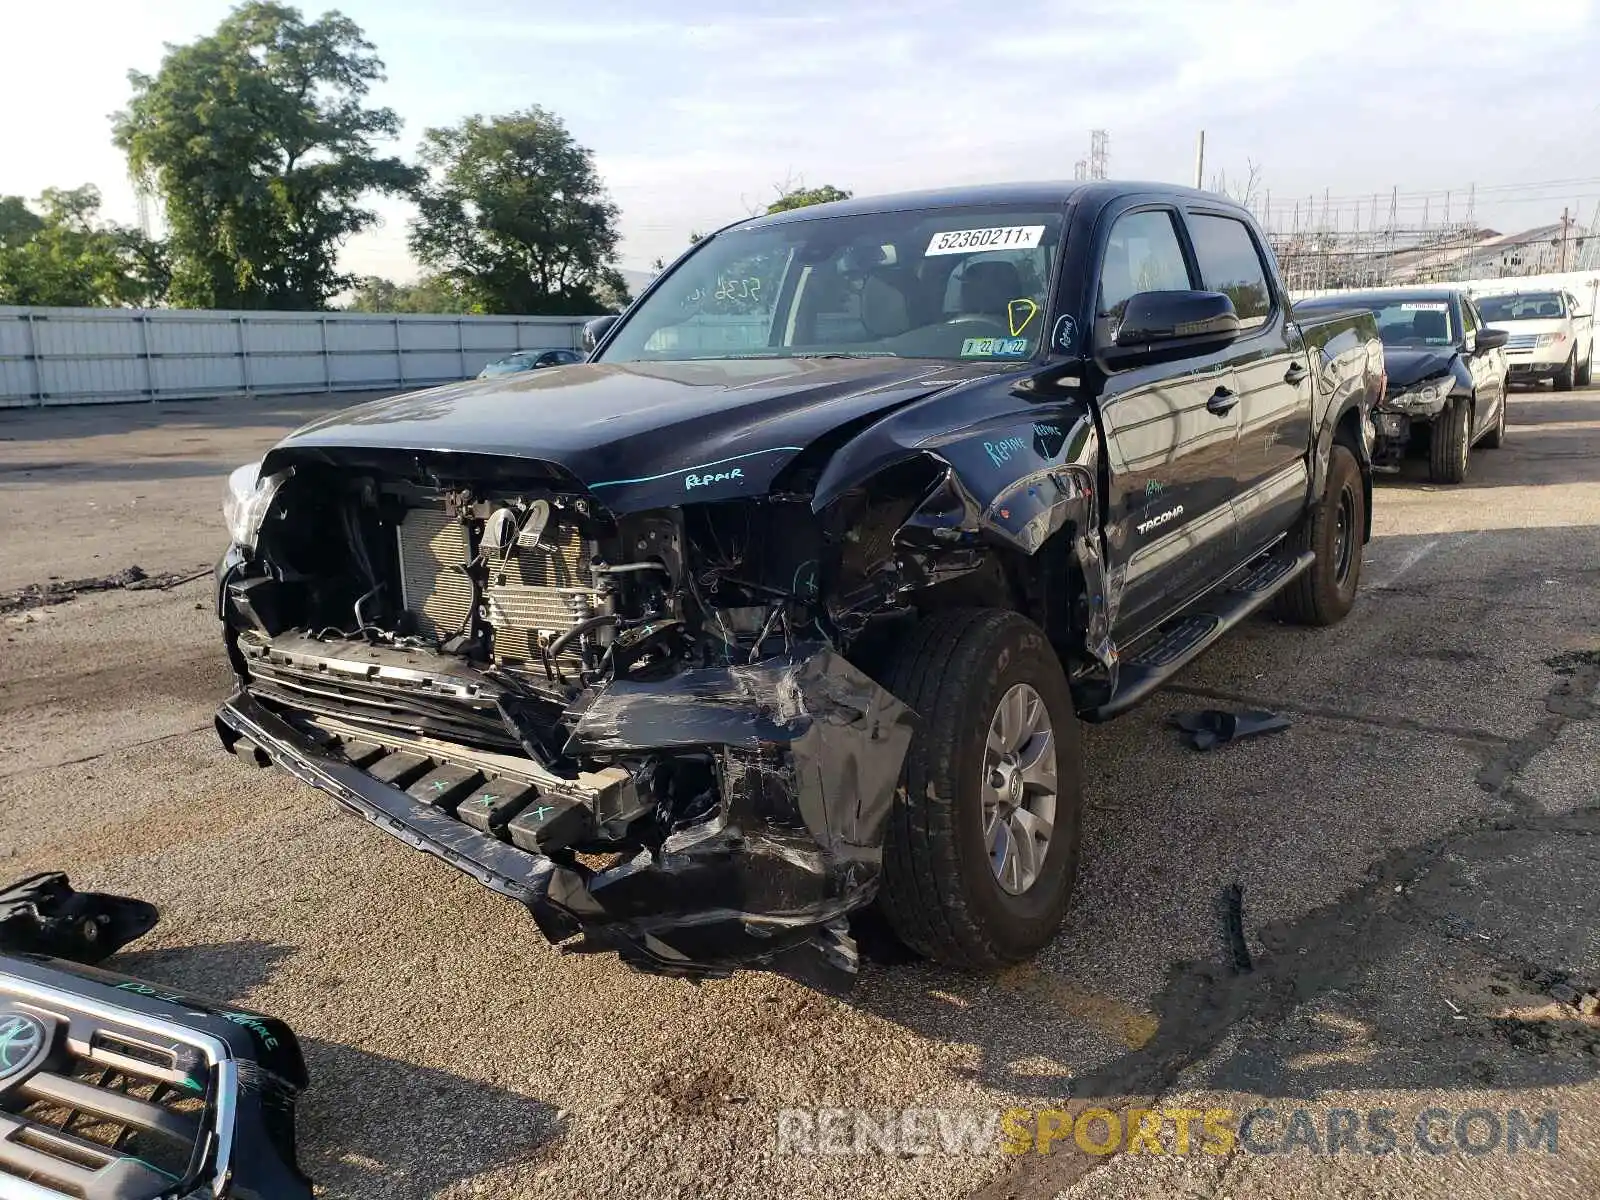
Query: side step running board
(1158,657)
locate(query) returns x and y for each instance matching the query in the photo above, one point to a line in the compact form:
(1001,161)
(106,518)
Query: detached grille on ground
(104,1115)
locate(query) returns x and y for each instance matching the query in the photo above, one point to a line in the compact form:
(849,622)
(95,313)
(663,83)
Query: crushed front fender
(808,754)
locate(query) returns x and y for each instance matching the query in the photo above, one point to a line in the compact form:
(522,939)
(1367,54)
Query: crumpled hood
(641,435)
(1406,367)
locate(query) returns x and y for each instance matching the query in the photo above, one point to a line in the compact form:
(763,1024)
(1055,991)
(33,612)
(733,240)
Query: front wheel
(1586,370)
(1564,377)
(1451,444)
(981,851)
(1333,530)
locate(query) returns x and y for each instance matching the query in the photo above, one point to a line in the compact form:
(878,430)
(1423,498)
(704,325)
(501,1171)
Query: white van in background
(1552,337)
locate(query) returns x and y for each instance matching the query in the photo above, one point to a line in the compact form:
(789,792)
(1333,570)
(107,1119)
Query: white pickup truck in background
(1552,335)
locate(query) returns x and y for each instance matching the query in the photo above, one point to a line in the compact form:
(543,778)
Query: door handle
(1295,374)
(1222,401)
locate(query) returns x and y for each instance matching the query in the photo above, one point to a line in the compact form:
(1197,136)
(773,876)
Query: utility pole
(1566,222)
(1200,161)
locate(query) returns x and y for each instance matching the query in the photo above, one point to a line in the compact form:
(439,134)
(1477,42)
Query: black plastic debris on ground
(1230,909)
(1212,727)
(59,591)
(42,914)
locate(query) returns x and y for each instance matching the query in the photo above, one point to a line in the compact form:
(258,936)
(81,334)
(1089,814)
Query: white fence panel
(101,356)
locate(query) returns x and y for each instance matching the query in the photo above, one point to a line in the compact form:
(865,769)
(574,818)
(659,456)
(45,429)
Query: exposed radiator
(538,588)
(433,586)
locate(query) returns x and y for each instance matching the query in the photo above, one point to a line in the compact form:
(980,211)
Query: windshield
(946,283)
(508,366)
(1530,306)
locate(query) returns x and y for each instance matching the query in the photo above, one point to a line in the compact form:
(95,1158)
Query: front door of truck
(1275,387)
(1171,430)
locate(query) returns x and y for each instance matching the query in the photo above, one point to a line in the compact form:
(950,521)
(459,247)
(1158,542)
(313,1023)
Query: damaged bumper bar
(808,753)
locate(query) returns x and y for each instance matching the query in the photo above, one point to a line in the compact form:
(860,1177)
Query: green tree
(18,222)
(804,197)
(429,294)
(63,254)
(258,141)
(515,213)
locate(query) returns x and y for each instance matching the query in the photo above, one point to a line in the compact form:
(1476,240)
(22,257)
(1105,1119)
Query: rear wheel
(981,852)
(1452,443)
(1496,437)
(1333,531)
(1564,377)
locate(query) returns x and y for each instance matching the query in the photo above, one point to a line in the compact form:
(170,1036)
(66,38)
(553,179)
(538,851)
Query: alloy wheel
(1019,788)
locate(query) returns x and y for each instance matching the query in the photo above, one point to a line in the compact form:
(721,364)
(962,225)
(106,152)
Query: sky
(697,110)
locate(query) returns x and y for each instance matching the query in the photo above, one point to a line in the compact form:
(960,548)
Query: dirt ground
(1416,857)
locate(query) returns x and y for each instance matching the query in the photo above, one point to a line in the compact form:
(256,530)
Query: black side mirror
(1153,321)
(1491,339)
(595,330)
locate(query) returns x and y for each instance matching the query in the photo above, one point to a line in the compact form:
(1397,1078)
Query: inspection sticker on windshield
(994,347)
(970,241)
(1424,306)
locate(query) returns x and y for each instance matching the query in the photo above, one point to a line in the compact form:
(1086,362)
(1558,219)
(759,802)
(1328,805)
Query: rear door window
(1230,263)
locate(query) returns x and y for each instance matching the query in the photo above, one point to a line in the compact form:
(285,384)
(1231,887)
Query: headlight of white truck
(1550,339)
(248,499)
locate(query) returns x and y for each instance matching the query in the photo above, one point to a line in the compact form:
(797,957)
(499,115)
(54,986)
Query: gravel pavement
(1417,857)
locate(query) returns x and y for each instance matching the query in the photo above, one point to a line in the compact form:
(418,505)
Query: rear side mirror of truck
(1156,321)
(594,330)
(1490,339)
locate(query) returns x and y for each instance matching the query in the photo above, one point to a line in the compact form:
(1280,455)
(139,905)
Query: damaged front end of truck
(650,724)
(642,725)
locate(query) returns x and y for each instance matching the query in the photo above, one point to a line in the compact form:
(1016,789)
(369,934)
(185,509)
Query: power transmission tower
(1080,169)
(1589,245)
(1099,152)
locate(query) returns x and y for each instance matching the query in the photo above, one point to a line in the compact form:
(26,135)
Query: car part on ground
(1209,728)
(112,1088)
(647,655)
(42,914)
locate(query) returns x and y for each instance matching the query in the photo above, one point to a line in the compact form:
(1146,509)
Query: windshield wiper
(845,354)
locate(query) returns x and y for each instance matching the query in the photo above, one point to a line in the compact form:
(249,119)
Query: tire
(1586,372)
(940,893)
(1325,593)
(1452,443)
(1563,378)
(1496,437)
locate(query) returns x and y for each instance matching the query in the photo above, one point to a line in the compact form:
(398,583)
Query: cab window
(1142,254)
(1230,263)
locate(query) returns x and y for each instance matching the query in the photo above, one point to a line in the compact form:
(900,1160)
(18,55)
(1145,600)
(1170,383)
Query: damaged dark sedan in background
(1447,376)
(790,599)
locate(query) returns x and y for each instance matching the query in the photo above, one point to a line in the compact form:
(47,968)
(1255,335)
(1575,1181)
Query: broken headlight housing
(1425,396)
(248,499)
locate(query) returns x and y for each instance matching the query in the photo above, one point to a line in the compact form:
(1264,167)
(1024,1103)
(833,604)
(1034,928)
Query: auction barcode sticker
(970,241)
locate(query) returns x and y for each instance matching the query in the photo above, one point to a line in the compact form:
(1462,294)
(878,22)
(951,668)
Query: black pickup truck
(792,597)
